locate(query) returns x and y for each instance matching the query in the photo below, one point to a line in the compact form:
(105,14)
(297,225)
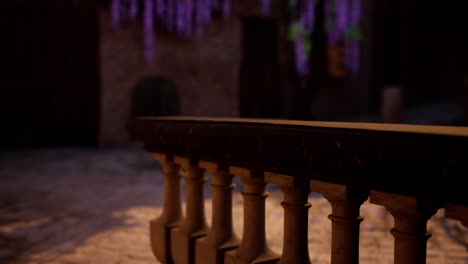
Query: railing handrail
(404,128)
(414,160)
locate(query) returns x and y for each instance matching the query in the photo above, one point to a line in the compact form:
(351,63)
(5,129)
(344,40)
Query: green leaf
(307,47)
(292,33)
(295,30)
(353,33)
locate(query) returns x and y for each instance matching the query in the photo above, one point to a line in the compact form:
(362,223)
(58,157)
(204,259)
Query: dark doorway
(155,96)
(49,76)
(260,89)
(430,54)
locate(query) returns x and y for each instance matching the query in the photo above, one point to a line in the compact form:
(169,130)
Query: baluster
(160,229)
(410,232)
(221,237)
(458,212)
(194,226)
(296,214)
(253,247)
(345,219)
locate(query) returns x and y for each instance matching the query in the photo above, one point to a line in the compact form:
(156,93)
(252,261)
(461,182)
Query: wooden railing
(411,170)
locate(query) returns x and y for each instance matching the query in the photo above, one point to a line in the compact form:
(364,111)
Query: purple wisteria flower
(188,18)
(115,14)
(266,6)
(148,30)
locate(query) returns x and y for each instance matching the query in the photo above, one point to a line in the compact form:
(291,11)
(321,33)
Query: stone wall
(205,72)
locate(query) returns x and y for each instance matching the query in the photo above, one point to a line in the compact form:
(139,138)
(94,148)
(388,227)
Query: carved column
(160,229)
(221,237)
(410,231)
(194,225)
(296,214)
(253,247)
(345,219)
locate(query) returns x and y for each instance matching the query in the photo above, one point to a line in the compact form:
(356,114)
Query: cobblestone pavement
(77,206)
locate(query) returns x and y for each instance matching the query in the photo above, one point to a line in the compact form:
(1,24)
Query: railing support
(457,212)
(296,214)
(160,229)
(253,247)
(194,226)
(221,237)
(345,219)
(410,232)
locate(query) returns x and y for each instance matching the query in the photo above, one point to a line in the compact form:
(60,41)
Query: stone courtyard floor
(77,206)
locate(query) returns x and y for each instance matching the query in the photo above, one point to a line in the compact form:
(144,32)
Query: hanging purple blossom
(342,19)
(133,10)
(329,21)
(302,67)
(356,10)
(183,17)
(352,39)
(148,31)
(115,14)
(160,8)
(180,17)
(266,6)
(301,59)
(203,15)
(206,11)
(341,16)
(188,18)
(172,15)
(309,15)
(226,8)
(303,23)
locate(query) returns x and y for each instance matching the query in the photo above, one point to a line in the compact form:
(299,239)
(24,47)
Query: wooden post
(253,247)
(296,209)
(345,219)
(194,226)
(221,237)
(160,229)
(410,232)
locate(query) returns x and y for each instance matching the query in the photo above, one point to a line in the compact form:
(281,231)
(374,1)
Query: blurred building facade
(71,77)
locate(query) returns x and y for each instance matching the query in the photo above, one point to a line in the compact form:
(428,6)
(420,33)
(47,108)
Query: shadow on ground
(76,206)
(54,200)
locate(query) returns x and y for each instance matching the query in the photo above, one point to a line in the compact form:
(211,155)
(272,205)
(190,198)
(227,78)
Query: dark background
(53,69)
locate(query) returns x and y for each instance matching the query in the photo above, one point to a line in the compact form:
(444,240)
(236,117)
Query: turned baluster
(296,214)
(221,237)
(253,247)
(345,218)
(160,229)
(410,232)
(194,225)
(458,212)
